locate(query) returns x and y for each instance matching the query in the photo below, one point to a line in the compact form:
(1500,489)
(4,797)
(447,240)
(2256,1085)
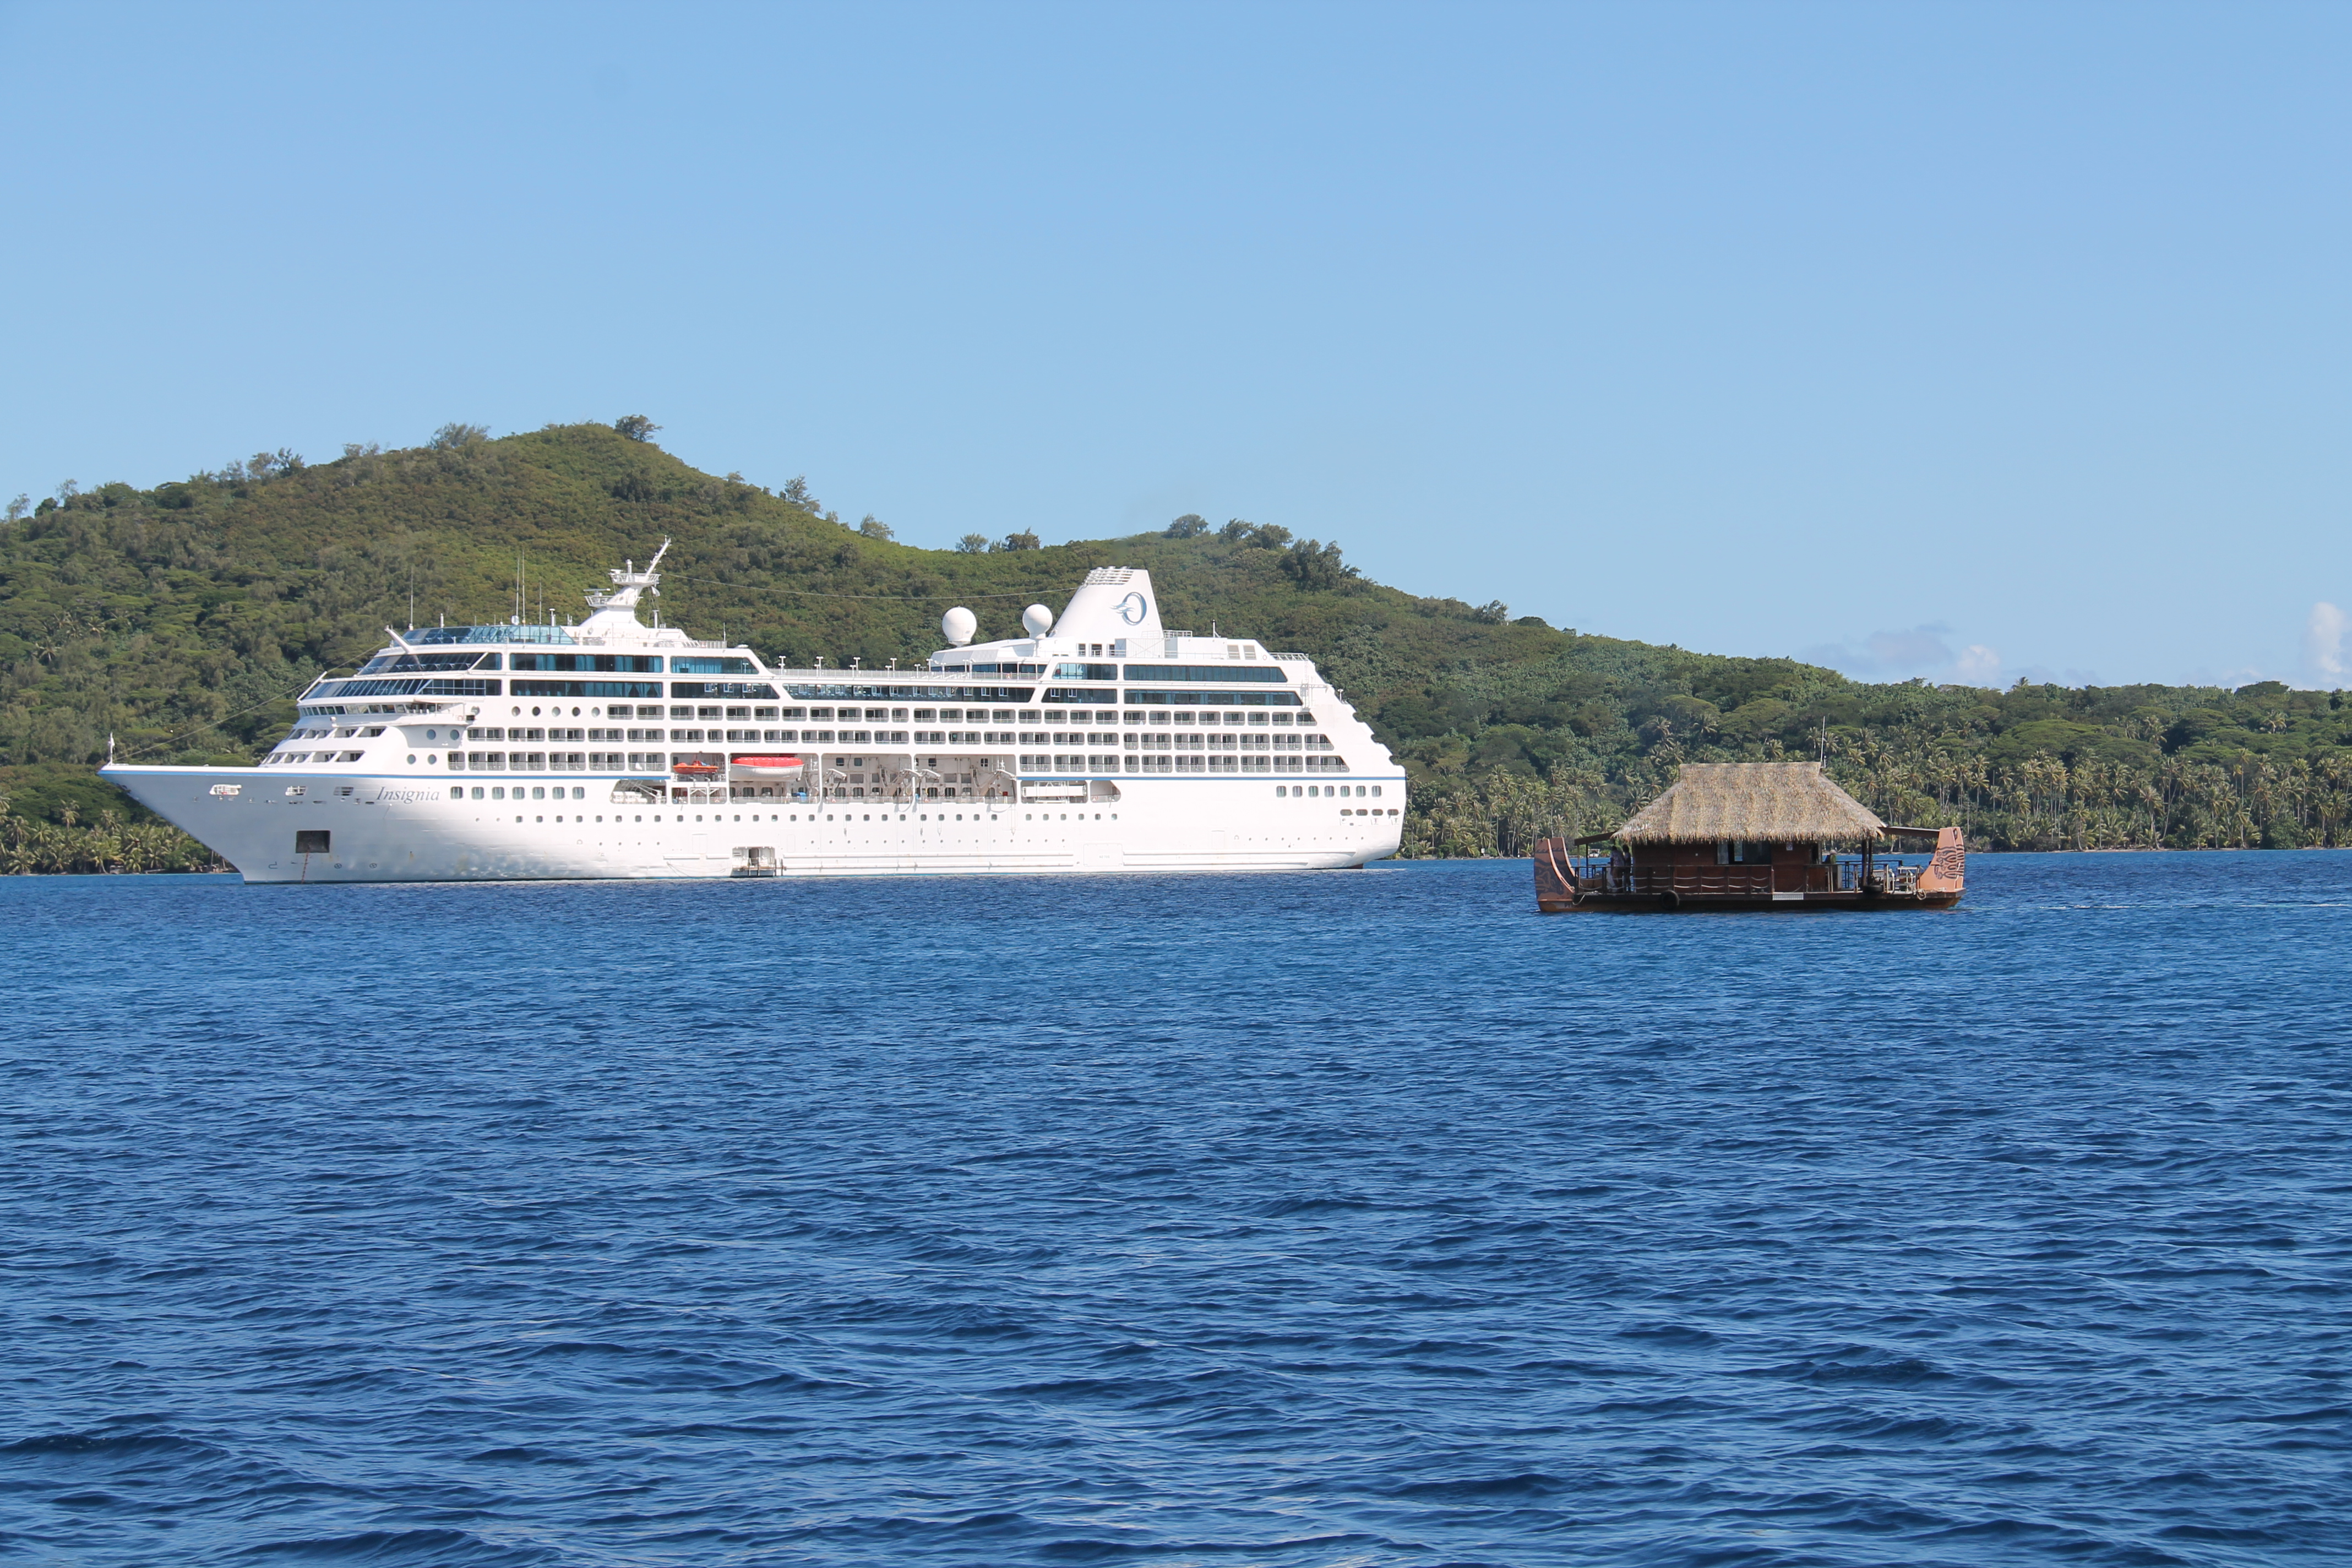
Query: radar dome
(1037,620)
(959,624)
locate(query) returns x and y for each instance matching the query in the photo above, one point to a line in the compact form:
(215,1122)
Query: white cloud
(1978,666)
(2323,640)
(1918,651)
(1920,648)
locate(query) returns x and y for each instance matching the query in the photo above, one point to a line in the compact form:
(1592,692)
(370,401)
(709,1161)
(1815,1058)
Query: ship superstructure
(1098,742)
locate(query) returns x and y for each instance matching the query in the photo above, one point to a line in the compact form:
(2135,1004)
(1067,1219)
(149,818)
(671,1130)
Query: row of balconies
(1176,763)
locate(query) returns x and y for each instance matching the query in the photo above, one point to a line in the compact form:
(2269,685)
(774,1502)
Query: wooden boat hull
(1687,903)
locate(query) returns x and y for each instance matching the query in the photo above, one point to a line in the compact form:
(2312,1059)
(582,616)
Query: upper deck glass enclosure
(507,634)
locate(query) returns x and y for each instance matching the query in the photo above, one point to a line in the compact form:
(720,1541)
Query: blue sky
(1969,341)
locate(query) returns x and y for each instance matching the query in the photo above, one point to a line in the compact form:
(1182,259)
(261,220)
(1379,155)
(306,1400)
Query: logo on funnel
(1131,609)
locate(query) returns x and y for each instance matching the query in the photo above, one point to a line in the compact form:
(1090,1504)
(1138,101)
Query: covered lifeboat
(764,767)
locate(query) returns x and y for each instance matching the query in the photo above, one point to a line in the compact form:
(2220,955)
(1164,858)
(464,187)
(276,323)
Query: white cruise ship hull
(400,829)
(1105,743)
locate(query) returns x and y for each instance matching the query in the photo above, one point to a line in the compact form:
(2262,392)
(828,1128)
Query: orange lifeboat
(695,769)
(765,767)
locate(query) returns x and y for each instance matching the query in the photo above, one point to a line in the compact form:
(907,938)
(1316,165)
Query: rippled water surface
(1351,1218)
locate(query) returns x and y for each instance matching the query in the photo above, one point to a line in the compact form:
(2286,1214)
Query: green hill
(183,619)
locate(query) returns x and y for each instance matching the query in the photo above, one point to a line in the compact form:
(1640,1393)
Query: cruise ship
(1099,741)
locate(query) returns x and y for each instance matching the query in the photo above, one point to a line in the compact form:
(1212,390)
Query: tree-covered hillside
(184,618)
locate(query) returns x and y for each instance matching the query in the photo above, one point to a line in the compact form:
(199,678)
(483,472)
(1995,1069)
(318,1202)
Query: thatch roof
(1780,802)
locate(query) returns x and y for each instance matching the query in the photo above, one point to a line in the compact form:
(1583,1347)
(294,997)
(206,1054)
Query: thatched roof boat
(1789,802)
(1750,835)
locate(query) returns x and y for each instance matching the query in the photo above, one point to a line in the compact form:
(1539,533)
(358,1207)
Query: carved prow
(1948,870)
(1556,884)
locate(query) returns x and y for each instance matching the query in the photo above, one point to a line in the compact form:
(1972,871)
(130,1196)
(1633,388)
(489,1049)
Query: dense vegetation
(183,619)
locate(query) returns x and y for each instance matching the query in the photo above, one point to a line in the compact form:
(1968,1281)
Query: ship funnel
(1113,602)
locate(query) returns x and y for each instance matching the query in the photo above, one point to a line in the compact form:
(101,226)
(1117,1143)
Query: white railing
(638,636)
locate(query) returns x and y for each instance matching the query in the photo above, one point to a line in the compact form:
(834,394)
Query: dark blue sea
(1353,1218)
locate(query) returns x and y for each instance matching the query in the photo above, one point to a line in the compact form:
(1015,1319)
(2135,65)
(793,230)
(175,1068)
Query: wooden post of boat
(1735,836)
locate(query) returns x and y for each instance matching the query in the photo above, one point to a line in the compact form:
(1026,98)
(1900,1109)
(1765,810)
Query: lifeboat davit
(765,767)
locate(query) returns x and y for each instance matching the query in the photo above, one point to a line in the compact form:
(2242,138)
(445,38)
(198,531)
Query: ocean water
(1352,1218)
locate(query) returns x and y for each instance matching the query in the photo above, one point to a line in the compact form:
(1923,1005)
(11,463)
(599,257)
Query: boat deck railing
(1846,876)
(654,792)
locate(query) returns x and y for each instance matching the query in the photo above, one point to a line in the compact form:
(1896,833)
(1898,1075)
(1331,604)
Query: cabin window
(1742,852)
